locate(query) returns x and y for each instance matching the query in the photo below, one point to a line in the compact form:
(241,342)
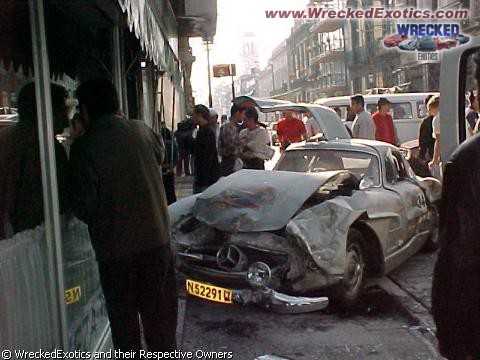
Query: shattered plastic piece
(270,357)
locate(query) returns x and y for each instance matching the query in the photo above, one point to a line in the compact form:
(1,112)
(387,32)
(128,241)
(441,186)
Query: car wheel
(433,241)
(350,290)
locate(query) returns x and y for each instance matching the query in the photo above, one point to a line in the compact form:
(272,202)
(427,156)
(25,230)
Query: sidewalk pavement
(411,286)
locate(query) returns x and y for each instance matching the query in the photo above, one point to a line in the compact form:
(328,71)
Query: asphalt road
(376,329)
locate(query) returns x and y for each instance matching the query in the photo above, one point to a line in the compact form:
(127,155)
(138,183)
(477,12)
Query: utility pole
(210,100)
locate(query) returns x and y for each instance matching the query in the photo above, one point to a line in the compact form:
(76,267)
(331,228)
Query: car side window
(402,172)
(393,169)
(371,108)
(402,111)
(421,109)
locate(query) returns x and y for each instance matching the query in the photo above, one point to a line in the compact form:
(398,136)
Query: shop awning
(143,21)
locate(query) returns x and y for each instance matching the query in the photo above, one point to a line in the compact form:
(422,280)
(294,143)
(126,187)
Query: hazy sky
(233,20)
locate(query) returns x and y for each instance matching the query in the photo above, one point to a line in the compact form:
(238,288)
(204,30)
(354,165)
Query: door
(413,207)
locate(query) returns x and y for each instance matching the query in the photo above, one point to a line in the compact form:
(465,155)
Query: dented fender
(322,230)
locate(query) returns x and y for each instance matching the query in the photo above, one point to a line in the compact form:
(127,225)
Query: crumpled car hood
(255,200)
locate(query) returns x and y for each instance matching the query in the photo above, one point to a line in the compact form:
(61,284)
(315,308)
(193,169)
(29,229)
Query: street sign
(222,70)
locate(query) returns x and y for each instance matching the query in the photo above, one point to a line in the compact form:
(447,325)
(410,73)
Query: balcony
(333,83)
(331,55)
(327,25)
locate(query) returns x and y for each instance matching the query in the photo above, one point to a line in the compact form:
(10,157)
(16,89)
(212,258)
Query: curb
(415,311)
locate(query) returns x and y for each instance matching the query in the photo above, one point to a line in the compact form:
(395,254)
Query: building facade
(341,57)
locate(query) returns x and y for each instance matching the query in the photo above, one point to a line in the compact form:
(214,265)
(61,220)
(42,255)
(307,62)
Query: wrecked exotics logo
(426,39)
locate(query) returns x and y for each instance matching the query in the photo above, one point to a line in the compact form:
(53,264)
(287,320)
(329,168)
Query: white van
(407,110)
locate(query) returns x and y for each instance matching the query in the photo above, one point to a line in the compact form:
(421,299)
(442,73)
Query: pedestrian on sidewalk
(255,142)
(183,137)
(434,165)
(363,126)
(471,115)
(290,130)
(384,128)
(426,143)
(311,125)
(213,123)
(228,141)
(117,190)
(206,168)
(456,281)
(168,166)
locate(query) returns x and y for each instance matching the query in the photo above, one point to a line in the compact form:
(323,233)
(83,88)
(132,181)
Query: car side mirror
(365,183)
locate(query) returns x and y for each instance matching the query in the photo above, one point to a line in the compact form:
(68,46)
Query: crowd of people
(209,150)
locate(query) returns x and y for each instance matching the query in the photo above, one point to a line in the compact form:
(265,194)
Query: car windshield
(359,163)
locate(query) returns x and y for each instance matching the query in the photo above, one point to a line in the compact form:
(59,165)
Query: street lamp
(207,41)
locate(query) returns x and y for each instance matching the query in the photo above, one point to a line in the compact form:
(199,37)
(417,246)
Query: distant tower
(249,54)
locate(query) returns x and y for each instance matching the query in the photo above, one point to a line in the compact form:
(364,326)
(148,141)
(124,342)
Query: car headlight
(259,275)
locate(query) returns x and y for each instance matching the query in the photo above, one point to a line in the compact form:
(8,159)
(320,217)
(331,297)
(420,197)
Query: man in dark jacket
(426,143)
(171,160)
(206,169)
(456,283)
(117,190)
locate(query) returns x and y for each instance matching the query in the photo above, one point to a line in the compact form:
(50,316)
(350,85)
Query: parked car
(394,40)
(407,110)
(8,116)
(445,42)
(409,44)
(426,43)
(257,237)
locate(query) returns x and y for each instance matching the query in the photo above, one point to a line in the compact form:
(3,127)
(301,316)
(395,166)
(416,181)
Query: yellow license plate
(209,292)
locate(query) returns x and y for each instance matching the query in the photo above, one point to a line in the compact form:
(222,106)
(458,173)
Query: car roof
(369,99)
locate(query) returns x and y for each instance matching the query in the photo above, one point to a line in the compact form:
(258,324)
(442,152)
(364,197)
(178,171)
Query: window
(402,111)
(395,169)
(397,110)
(421,109)
(358,163)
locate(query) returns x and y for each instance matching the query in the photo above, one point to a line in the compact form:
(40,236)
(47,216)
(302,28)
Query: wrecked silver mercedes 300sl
(330,215)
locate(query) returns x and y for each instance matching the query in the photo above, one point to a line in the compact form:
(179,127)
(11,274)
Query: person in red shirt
(384,122)
(290,130)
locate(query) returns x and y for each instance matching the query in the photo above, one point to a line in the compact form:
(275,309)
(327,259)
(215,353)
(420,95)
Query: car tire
(433,242)
(349,291)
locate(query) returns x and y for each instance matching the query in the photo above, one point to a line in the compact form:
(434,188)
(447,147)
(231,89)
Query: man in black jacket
(456,283)
(116,188)
(206,167)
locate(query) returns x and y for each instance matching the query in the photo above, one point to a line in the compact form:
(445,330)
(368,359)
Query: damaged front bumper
(278,302)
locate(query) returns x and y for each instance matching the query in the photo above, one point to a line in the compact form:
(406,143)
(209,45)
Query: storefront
(50,295)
